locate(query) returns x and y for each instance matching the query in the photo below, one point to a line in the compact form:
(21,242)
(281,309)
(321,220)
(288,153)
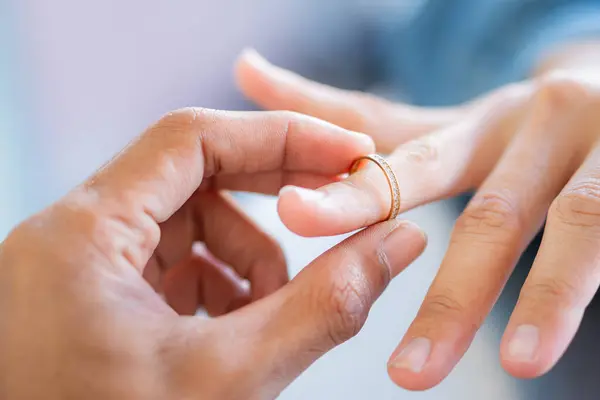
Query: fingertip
(420,364)
(244,72)
(537,337)
(428,352)
(335,209)
(421,235)
(248,62)
(298,209)
(247,69)
(520,370)
(413,381)
(256,78)
(250,56)
(522,355)
(366,141)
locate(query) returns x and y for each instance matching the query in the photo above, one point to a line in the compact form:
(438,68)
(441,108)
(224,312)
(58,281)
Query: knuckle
(504,99)
(578,206)
(368,111)
(424,150)
(185,126)
(176,124)
(347,305)
(291,116)
(86,222)
(89,227)
(293,121)
(185,116)
(443,304)
(347,313)
(553,291)
(117,214)
(560,89)
(181,134)
(490,216)
(516,91)
(22,238)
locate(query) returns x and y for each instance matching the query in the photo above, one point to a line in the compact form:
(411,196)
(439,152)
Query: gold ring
(391,179)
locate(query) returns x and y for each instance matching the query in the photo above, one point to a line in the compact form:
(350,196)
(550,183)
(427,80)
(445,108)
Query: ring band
(391,179)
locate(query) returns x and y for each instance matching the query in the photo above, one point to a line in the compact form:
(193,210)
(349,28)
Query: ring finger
(436,166)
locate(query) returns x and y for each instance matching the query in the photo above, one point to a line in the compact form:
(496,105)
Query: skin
(98,292)
(531,153)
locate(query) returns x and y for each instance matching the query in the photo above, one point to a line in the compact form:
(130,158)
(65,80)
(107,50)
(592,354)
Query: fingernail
(403,244)
(306,195)
(524,343)
(414,356)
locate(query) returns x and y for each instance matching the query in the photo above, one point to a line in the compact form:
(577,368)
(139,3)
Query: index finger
(159,171)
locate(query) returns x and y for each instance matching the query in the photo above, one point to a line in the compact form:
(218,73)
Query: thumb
(389,124)
(325,305)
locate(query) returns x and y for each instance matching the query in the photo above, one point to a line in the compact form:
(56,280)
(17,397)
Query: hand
(80,321)
(531,151)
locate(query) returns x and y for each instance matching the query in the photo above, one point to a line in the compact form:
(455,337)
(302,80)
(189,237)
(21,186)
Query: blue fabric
(449,51)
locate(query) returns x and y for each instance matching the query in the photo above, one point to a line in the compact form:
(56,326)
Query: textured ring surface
(391,179)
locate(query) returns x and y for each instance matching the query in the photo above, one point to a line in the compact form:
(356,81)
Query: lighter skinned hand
(98,292)
(531,152)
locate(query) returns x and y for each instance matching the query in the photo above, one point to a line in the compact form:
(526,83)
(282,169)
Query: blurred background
(78,80)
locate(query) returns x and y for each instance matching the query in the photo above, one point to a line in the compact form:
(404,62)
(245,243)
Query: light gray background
(81,78)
